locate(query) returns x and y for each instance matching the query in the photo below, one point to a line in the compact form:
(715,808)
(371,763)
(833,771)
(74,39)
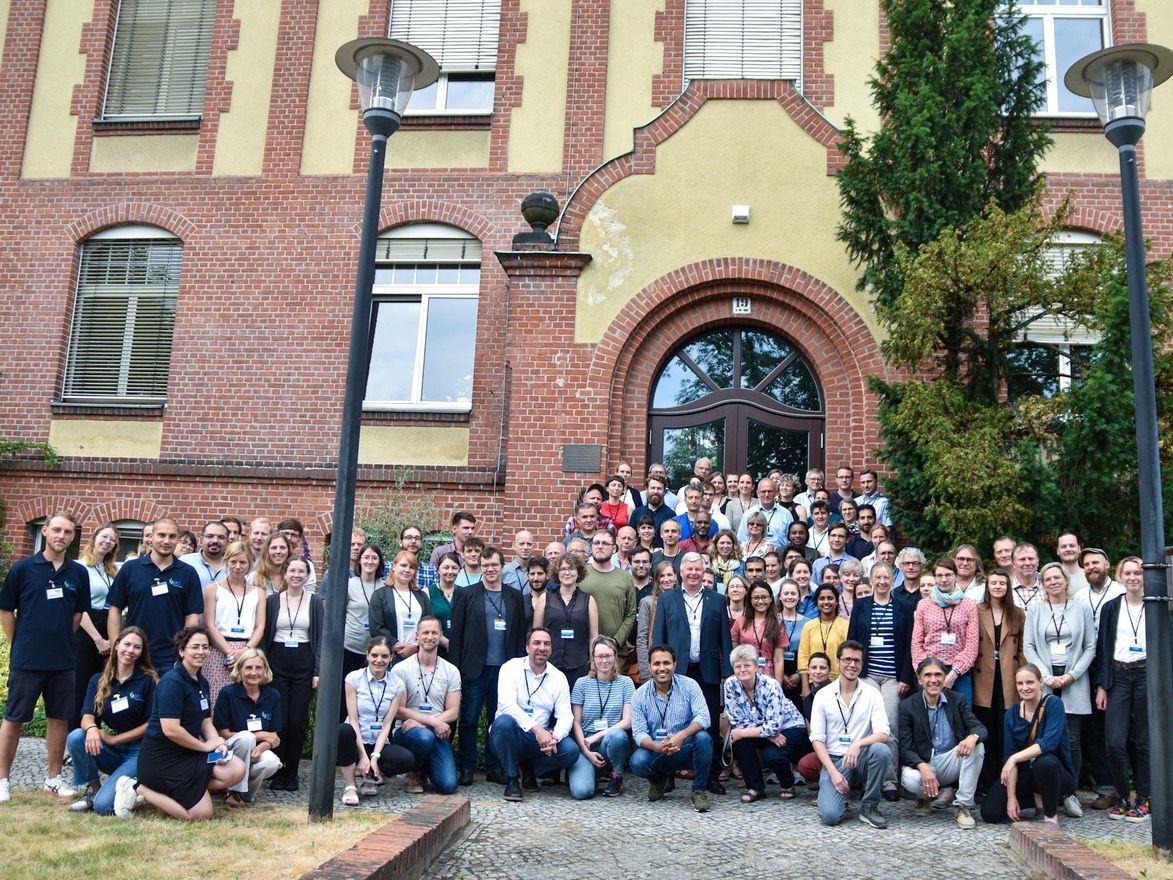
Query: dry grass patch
(40,840)
(1135,858)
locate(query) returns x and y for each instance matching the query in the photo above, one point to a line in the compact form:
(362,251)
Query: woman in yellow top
(823,634)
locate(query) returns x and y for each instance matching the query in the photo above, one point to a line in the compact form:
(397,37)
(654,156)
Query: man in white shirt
(423,723)
(777,517)
(208,561)
(1025,585)
(815,480)
(849,733)
(869,482)
(1067,549)
(533,717)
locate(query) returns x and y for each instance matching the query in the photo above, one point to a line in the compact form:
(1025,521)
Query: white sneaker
(1072,807)
(58,786)
(5,791)
(125,797)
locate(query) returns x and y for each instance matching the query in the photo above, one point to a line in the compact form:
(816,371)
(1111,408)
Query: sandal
(750,796)
(350,796)
(233,799)
(787,794)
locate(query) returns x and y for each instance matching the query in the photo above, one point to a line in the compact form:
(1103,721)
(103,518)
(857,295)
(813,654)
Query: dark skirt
(170,769)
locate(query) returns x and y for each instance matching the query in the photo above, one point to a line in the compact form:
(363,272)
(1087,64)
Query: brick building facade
(603,103)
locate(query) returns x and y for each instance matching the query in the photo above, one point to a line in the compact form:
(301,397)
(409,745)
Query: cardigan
(273,608)
(1081,650)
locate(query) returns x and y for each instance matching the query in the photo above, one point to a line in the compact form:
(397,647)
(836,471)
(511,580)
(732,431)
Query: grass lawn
(41,840)
(1135,858)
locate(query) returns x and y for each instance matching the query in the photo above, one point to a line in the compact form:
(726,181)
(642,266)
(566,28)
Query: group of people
(834,658)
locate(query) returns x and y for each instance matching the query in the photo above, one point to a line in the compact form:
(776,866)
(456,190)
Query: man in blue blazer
(692,621)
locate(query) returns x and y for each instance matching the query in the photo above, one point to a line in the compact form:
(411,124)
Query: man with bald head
(778,518)
(515,572)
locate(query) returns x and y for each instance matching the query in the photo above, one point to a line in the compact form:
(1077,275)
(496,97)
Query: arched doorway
(743,397)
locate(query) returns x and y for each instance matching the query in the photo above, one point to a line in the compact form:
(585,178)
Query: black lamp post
(1120,83)
(387,72)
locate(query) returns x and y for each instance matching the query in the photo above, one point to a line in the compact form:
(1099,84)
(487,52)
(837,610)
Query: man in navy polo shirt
(160,594)
(41,605)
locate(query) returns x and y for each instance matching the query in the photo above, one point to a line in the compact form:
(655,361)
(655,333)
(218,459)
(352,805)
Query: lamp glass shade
(385,80)
(1121,88)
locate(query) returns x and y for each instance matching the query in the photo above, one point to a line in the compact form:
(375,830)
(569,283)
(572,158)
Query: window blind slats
(120,342)
(159,65)
(435,250)
(743,39)
(459,34)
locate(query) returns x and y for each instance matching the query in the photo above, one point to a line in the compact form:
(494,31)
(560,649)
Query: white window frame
(182,57)
(412,244)
(462,35)
(73,389)
(1048,13)
(743,39)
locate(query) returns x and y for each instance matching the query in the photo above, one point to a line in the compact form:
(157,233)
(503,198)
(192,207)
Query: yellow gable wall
(536,126)
(633,59)
(48,146)
(394,444)
(330,122)
(1158,158)
(730,152)
(240,140)
(5,5)
(106,438)
(851,57)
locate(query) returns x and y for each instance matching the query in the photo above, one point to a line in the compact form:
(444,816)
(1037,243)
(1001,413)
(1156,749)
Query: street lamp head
(387,72)
(1120,80)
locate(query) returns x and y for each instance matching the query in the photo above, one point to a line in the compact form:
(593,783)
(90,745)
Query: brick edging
(1054,853)
(402,849)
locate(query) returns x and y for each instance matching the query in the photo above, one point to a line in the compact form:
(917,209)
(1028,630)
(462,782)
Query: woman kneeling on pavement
(248,715)
(765,727)
(182,758)
(1037,756)
(114,718)
(601,703)
(372,699)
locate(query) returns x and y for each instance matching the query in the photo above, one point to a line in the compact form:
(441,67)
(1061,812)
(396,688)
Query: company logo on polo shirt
(267,716)
(135,695)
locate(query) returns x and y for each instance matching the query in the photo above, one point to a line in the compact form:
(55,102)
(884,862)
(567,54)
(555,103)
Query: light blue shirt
(684,705)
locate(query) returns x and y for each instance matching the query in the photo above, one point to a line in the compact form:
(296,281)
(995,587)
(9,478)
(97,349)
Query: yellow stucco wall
(1158,158)
(240,141)
(144,152)
(743,152)
(330,123)
(633,59)
(851,57)
(106,438)
(380,444)
(536,126)
(5,5)
(1081,153)
(438,149)
(48,145)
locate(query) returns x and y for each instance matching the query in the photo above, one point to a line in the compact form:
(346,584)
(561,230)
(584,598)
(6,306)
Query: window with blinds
(120,341)
(743,39)
(159,65)
(424,320)
(462,36)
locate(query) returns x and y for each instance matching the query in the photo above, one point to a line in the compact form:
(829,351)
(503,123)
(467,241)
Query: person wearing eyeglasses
(601,703)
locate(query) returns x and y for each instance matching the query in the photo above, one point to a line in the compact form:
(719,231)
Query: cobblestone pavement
(550,836)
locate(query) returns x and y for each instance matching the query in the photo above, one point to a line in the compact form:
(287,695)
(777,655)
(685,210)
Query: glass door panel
(683,446)
(768,447)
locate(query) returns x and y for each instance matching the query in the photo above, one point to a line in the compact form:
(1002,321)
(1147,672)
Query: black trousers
(1127,721)
(712,694)
(393,759)
(293,671)
(89,663)
(1046,778)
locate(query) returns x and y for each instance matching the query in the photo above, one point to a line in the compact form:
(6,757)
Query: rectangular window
(462,36)
(159,65)
(1064,31)
(120,341)
(743,39)
(424,325)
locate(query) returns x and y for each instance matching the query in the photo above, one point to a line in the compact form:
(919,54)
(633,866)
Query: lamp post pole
(386,71)
(1119,81)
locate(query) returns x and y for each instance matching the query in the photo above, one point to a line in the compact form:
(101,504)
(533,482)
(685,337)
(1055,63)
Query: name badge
(599,725)
(761,662)
(528,710)
(1058,650)
(255,724)
(499,624)
(291,643)
(214,757)
(997,654)
(845,740)
(1135,649)
(877,641)
(237,631)
(54,593)
(948,638)
(374,728)
(366,625)
(159,589)
(789,655)
(567,634)
(119,704)
(203,703)
(424,707)
(660,734)
(447,625)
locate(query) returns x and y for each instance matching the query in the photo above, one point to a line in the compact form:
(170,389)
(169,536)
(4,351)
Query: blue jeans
(697,753)
(477,694)
(513,745)
(115,761)
(432,755)
(615,746)
(870,769)
(964,686)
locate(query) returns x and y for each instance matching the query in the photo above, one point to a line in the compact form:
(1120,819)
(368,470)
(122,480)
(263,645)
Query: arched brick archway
(821,324)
